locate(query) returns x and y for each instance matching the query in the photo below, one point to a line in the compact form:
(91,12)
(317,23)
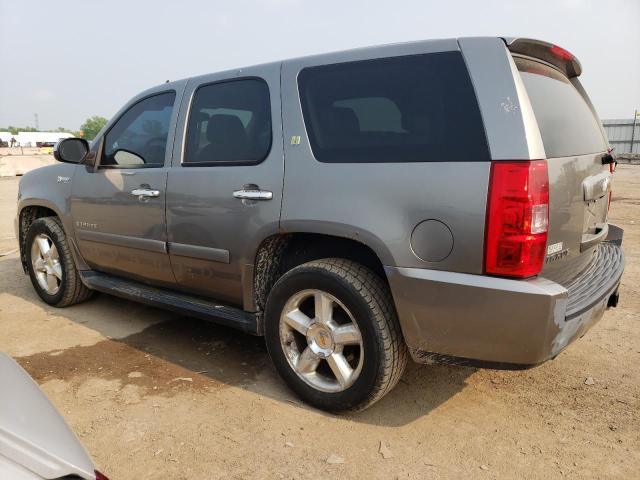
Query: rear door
(224,189)
(579,183)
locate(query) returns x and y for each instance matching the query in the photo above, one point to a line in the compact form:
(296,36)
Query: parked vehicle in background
(35,441)
(445,200)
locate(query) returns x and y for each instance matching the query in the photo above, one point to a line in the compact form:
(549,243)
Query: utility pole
(633,129)
(35,115)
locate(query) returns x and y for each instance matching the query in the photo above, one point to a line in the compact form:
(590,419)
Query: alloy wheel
(46,264)
(321,340)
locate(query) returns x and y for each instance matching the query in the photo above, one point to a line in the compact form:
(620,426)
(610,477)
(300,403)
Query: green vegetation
(90,128)
(15,130)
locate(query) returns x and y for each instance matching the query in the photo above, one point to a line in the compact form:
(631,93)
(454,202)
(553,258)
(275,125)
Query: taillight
(100,476)
(561,53)
(517,218)
(612,168)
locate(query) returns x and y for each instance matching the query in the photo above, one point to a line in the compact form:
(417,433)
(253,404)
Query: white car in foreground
(35,441)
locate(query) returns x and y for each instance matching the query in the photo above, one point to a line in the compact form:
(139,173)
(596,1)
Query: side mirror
(71,150)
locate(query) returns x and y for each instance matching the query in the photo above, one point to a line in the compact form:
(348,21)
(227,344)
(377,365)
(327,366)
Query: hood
(32,432)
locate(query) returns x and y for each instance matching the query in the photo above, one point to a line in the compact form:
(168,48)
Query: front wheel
(51,266)
(333,334)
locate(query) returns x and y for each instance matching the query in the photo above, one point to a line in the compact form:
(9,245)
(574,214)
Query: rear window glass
(567,124)
(419,108)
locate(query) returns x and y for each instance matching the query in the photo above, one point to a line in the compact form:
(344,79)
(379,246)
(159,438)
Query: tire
(362,329)
(57,269)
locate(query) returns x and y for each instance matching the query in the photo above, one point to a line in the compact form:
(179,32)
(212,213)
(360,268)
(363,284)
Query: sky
(67,60)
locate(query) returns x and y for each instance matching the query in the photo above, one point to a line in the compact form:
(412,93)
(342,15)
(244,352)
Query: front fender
(50,188)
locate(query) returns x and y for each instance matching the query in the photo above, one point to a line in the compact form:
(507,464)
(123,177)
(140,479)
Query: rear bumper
(501,323)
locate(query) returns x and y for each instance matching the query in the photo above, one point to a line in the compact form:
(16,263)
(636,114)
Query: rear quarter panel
(380,204)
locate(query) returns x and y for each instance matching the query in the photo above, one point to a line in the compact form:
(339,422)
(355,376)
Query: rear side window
(567,124)
(419,108)
(229,123)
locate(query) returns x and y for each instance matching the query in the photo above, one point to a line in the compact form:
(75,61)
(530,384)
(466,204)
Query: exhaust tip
(613,300)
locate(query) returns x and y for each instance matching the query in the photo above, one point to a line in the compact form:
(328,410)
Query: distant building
(34,139)
(5,137)
(619,132)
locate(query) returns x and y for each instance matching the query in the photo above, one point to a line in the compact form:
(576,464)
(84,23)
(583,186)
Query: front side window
(417,108)
(229,123)
(139,138)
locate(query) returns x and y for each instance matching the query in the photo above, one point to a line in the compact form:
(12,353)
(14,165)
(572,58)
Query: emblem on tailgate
(554,248)
(555,252)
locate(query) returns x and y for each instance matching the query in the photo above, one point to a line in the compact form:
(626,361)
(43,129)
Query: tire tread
(74,291)
(376,294)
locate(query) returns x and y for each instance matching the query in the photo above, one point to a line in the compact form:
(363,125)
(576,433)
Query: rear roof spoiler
(557,56)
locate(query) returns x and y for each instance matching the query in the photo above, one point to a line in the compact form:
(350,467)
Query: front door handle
(144,194)
(253,194)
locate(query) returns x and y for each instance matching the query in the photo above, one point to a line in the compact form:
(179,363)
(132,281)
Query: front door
(225,187)
(118,207)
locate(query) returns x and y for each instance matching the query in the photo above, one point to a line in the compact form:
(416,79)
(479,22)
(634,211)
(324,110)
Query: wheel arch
(281,252)
(32,209)
(26,216)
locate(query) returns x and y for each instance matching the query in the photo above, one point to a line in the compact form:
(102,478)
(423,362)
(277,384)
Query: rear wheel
(50,264)
(333,334)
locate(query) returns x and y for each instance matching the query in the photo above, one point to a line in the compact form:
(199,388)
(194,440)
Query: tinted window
(419,108)
(567,124)
(139,137)
(230,122)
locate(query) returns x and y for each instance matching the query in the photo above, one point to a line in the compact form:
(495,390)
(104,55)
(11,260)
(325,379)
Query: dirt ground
(18,161)
(155,395)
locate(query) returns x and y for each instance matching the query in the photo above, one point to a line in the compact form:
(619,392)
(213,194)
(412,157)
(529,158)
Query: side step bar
(175,301)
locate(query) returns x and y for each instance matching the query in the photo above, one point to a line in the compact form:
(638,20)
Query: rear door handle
(253,194)
(143,193)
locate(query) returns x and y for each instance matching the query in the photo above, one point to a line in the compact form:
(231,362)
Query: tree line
(88,130)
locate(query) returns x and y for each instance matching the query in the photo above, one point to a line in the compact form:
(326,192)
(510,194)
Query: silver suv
(445,200)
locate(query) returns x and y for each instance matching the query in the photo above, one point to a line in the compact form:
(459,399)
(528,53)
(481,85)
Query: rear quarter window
(567,124)
(418,108)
